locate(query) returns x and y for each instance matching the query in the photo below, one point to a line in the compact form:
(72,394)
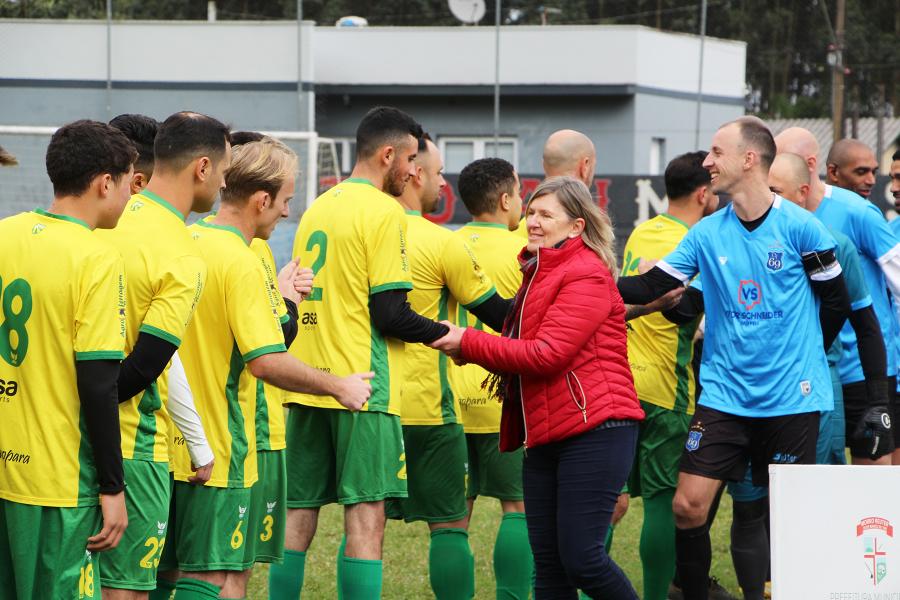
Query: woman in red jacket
(566,388)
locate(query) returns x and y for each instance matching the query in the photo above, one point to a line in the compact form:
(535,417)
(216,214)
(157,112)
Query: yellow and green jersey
(233,324)
(522,230)
(445,275)
(354,238)
(62,300)
(269,399)
(497,248)
(659,351)
(165,277)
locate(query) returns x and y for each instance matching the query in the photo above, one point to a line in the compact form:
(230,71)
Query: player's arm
(875,424)
(185,416)
(144,365)
(289,327)
(643,289)
(689,308)
(393,317)
(827,282)
(492,312)
(283,370)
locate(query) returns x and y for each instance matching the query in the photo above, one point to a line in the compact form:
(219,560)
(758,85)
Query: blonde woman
(568,396)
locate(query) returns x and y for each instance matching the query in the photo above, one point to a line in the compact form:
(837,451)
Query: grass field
(406,554)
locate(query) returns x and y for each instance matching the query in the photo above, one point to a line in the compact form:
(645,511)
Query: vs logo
(749,293)
(775,260)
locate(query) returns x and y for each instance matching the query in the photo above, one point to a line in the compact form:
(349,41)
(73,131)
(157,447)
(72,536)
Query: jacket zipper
(537,266)
(583,406)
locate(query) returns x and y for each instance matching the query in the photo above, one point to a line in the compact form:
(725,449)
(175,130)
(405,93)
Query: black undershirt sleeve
(869,342)
(834,307)
(96,380)
(393,317)
(289,327)
(144,365)
(641,289)
(688,308)
(492,312)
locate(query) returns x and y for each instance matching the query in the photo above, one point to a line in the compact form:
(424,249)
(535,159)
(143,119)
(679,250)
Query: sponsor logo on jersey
(242,510)
(136,206)
(161,527)
(876,534)
(14,456)
(805,387)
(8,389)
(723,260)
(38,228)
(775,261)
(749,294)
(270,506)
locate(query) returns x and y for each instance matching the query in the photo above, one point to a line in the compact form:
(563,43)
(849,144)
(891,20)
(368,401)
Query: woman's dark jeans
(571,489)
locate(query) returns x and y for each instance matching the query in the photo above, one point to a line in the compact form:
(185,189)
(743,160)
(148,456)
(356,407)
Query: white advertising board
(835,532)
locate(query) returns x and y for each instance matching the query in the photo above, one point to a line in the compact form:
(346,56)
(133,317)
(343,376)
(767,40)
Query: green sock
(338,562)
(163,591)
(194,589)
(657,547)
(360,579)
(286,579)
(451,566)
(513,562)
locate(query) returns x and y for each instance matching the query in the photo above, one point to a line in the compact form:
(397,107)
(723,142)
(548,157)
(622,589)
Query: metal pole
(108,60)
(300,124)
(497,79)
(700,73)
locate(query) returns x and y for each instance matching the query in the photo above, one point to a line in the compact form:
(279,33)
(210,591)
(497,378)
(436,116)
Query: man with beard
(895,189)
(445,275)
(851,165)
(356,319)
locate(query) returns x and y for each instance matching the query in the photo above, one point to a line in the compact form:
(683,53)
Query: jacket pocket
(576,391)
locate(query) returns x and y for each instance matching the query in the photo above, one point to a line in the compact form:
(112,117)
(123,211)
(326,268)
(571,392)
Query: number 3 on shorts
(268,522)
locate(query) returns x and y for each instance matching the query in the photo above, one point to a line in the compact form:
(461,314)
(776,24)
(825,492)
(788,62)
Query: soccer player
(165,276)
(879,254)
(763,262)
(567,152)
(357,316)
(233,338)
(489,188)
(63,335)
(141,130)
(851,165)
(445,275)
(895,181)
(660,353)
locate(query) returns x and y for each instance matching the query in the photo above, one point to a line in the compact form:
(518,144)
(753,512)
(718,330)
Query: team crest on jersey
(161,527)
(749,294)
(242,510)
(694,436)
(774,261)
(270,506)
(38,228)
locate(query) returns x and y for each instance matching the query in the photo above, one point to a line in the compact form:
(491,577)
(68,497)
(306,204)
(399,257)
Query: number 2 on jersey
(320,239)
(17,304)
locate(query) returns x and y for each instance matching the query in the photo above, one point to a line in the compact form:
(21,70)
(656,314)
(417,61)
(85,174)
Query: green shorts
(436,469)
(491,472)
(210,527)
(43,551)
(345,457)
(661,439)
(268,511)
(132,564)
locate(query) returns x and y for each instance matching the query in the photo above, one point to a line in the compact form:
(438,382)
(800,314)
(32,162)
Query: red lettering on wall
(448,200)
(602,186)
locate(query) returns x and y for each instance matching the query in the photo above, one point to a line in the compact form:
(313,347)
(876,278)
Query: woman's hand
(451,343)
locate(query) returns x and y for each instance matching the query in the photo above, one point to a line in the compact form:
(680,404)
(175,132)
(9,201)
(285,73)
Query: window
(657,155)
(346,149)
(460,151)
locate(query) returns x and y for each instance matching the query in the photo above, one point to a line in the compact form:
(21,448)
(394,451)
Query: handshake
(451,343)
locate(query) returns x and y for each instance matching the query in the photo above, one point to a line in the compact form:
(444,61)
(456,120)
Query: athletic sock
(693,553)
(750,547)
(360,579)
(513,562)
(657,547)
(286,579)
(163,591)
(451,566)
(338,562)
(194,589)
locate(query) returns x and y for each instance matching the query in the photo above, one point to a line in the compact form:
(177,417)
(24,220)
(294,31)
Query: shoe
(717,592)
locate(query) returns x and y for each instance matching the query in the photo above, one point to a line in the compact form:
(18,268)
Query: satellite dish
(467,11)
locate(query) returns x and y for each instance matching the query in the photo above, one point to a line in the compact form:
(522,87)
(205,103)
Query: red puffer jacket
(571,352)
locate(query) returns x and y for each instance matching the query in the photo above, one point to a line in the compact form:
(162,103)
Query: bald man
(895,189)
(852,166)
(879,253)
(567,152)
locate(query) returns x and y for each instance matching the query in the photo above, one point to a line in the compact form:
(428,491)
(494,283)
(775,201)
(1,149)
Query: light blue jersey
(855,279)
(863,223)
(762,354)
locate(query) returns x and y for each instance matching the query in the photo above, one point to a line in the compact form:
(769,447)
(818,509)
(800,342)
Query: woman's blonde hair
(255,166)
(576,200)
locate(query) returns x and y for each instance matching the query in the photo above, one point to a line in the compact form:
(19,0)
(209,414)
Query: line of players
(169,281)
